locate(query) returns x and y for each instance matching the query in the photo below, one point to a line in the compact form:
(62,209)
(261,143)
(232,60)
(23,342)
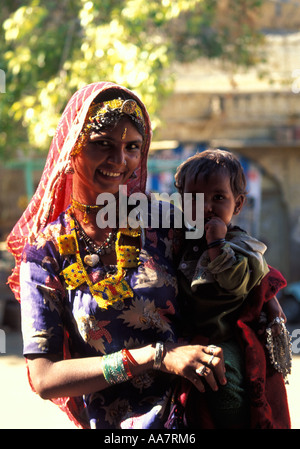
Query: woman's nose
(117,156)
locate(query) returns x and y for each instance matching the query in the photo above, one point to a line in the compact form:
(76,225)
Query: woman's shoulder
(46,241)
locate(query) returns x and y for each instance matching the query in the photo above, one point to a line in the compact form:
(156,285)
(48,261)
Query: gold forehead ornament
(96,111)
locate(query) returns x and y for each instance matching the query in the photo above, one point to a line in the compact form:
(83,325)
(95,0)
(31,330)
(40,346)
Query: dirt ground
(22,409)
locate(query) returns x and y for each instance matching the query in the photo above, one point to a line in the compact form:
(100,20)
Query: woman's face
(108,161)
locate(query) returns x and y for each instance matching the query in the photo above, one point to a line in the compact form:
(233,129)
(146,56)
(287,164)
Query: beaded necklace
(95,251)
(112,290)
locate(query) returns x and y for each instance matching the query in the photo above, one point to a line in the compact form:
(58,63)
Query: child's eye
(219,197)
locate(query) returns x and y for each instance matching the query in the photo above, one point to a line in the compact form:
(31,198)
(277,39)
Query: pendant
(91,260)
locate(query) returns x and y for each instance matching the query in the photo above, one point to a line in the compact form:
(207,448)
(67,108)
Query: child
(217,272)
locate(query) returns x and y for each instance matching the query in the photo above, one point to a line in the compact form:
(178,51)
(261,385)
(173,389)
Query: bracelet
(159,352)
(125,363)
(216,243)
(114,370)
(125,357)
(130,357)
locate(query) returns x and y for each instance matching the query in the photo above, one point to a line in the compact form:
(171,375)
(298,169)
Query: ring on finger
(276,320)
(201,370)
(211,349)
(211,360)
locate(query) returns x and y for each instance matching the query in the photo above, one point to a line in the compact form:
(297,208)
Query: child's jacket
(212,293)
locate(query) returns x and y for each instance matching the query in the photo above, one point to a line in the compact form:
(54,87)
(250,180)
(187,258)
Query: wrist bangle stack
(159,353)
(216,243)
(116,368)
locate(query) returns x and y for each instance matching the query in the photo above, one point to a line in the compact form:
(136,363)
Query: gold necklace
(85,208)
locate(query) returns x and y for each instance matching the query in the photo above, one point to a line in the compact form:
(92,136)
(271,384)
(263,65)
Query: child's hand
(215,229)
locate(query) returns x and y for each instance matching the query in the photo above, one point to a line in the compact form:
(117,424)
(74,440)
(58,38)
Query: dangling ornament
(91,260)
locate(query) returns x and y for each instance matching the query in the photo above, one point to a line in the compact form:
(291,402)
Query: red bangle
(125,363)
(125,357)
(130,357)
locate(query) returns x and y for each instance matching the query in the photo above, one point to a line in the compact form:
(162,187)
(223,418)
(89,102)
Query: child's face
(219,200)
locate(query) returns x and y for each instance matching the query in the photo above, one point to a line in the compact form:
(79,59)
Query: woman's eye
(102,143)
(133,146)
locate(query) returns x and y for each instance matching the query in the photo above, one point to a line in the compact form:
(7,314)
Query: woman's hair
(209,162)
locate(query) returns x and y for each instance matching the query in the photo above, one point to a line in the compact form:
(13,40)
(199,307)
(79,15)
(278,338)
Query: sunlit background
(212,74)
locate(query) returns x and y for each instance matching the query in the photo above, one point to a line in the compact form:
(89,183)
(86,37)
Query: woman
(99,325)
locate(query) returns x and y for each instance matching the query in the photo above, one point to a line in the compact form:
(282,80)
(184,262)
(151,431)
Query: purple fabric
(48,309)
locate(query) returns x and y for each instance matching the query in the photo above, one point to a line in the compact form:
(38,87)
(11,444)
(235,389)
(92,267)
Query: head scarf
(53,194)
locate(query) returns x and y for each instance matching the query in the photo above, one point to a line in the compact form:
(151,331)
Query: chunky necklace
(95,251)
(112,290)
(85,208)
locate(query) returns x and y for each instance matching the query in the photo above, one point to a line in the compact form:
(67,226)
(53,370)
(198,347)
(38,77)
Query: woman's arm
(52,377)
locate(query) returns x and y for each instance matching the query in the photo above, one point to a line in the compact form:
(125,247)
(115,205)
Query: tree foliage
(51,48)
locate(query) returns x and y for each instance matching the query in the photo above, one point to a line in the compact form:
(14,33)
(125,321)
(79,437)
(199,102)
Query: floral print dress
(51,310)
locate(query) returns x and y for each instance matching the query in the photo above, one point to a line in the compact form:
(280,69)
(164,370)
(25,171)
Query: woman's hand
(273,310)
(199,364)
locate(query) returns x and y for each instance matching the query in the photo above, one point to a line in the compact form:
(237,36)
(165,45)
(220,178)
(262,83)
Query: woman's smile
(107,173)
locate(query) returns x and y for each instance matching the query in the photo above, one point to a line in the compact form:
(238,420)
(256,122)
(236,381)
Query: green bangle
(113,368)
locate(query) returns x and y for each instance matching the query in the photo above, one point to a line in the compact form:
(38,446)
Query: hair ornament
(107,110)
(128,107)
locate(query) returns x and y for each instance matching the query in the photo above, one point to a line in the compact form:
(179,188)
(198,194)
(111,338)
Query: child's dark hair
(211,161)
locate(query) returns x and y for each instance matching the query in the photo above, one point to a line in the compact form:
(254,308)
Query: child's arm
(215,229)
(236,273)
